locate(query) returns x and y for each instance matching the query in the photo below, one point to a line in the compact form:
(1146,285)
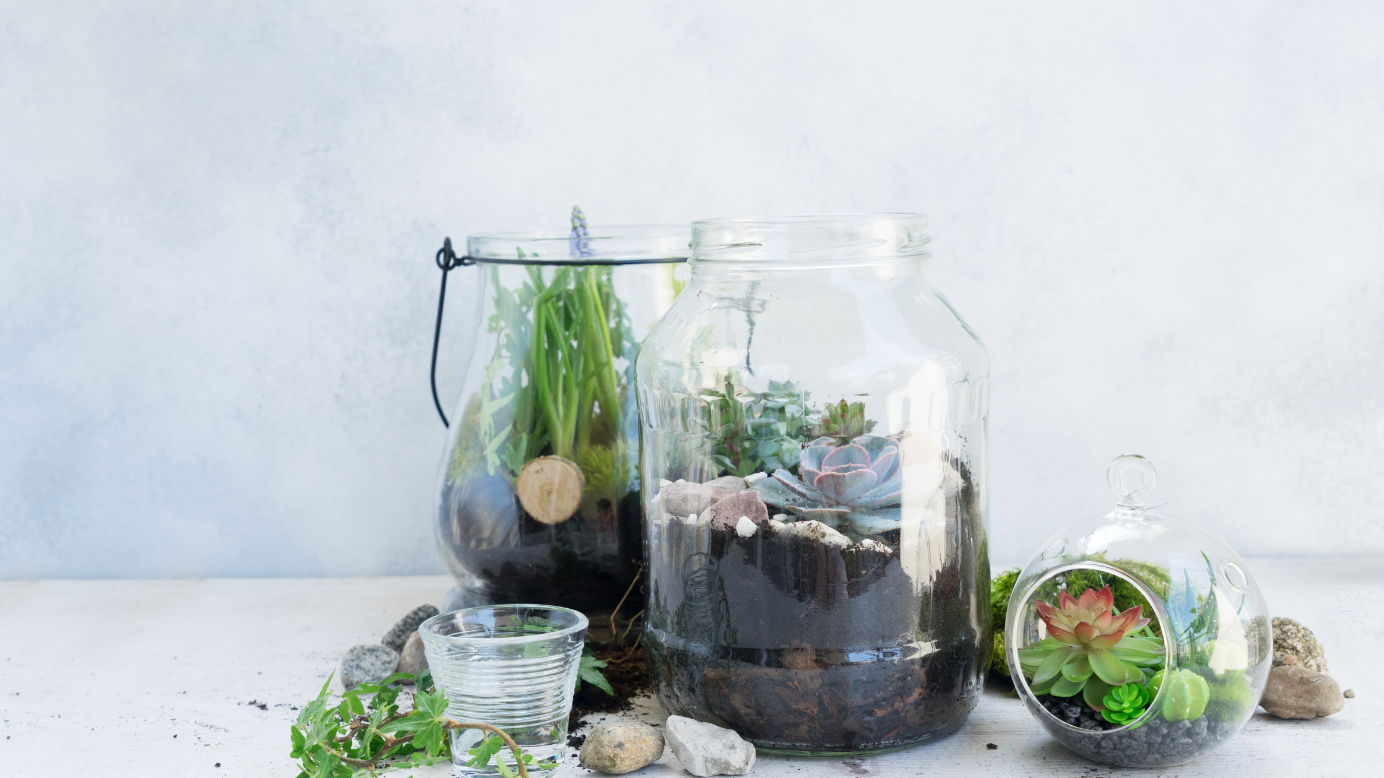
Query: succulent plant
(1124,704)
(860,482)
(1187,694)
(1089,648)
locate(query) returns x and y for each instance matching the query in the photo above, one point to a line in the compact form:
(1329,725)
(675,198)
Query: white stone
(816,530)
(754,478)
(874,545)
(745,528)
(706,749)
(781,518)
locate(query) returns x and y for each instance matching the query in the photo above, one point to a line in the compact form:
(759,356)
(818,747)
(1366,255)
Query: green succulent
(1188,694)
(1090,648)
(1123,704)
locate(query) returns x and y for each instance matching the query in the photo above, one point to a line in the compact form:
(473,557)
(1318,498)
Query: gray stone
(706,749)
(399,633)
(1295,692)
(727,511)
(1292,639)
(618,747)
(367,663)
(1349,694)
(412,660)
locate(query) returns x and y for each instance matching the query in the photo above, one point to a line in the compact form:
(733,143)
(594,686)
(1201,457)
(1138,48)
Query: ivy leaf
(434,703)
(430,737)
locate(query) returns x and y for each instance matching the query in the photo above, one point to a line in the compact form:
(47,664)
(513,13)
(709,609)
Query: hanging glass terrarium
(539,490)
(813,416)
(1137,638)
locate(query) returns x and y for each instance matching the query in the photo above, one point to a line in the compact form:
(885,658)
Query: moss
(468,452)
(602,468)
(1001,588)
(1232,698)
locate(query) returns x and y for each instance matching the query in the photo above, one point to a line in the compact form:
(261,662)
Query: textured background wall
(217,222)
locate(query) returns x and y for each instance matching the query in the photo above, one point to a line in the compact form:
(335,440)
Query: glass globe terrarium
(1137,638)
(538,494)
(813,415)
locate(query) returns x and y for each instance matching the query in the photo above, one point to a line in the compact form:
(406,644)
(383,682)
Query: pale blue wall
(217,218)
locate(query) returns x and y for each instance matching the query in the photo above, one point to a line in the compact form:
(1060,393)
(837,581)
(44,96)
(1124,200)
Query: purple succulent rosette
(859,484)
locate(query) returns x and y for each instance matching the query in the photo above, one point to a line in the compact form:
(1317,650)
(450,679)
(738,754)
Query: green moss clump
(1001,588)
(1232,698)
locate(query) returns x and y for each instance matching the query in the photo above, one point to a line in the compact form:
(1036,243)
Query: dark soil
(627,674)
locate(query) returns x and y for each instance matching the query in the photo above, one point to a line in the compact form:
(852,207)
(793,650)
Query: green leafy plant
(1088,649)
(589,670)
(1231,697)
(366,733)
(843,422)
(1187,695)
(553,385)
(754,431)
(1123,704)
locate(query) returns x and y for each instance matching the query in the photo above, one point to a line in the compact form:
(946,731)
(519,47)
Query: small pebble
(991,746)
(618,747)
(367,663)
(412,660)
(1294,692)
(1349,693)
(706,749)
(399,633)
(745,528)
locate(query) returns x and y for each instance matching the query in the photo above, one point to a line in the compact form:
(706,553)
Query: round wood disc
(549,488)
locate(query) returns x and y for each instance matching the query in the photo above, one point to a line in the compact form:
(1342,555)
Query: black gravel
(1156,743)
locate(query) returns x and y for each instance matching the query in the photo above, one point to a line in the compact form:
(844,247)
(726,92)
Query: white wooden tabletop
(156,678)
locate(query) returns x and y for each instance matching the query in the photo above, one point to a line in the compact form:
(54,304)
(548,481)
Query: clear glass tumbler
(513,667)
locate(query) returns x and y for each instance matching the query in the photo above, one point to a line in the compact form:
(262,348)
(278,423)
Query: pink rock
(727,511)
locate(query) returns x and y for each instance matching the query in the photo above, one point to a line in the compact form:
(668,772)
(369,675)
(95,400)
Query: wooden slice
(549,488)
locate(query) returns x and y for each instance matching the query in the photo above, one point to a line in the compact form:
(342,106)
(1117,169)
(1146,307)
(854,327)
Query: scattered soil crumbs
(628,676)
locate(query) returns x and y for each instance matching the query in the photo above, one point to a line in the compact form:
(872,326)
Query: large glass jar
(538,494)
(814,417)
(1137,638)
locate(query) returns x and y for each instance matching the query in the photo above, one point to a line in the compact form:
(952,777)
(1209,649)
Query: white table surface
(154,678)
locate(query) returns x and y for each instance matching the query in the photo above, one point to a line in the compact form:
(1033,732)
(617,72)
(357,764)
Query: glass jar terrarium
(813,415)
(1137,638)
(538,495)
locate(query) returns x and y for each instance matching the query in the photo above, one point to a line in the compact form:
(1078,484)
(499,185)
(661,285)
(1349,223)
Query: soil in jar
(809,641)
(585,563)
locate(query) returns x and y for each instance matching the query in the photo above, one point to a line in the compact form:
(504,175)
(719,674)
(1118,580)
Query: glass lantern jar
(814,418)
(538,494)
(1137,638)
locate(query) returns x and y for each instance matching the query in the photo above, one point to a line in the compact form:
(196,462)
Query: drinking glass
(513,667)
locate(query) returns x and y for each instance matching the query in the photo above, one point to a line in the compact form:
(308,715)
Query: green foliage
(589,670)
(553,385)
(358,737)
(1123,704)
(1001,588)
(843,421)
(1194,618)
(1126,595)
(755,431)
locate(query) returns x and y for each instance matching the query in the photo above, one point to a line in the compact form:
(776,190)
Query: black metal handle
(447,260)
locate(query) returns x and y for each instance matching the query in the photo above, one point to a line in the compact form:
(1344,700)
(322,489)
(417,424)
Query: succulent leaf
(1090,637)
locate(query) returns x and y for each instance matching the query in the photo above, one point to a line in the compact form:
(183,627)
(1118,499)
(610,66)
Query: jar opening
(615,244)
(852,238)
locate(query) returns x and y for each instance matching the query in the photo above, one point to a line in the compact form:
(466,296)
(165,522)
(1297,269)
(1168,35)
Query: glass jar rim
(605,245)
(838,237)
(430,626)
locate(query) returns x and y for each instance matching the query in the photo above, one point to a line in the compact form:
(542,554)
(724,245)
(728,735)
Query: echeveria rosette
(860,482)
(1124,704)
(1089,649)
